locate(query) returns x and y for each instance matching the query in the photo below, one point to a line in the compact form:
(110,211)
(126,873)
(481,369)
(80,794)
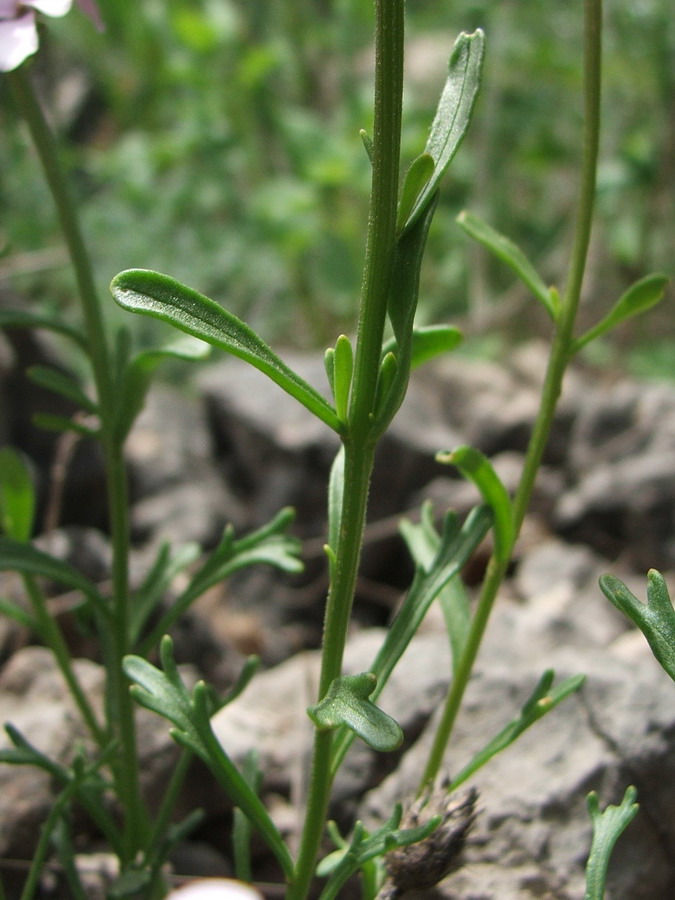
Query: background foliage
(217,141)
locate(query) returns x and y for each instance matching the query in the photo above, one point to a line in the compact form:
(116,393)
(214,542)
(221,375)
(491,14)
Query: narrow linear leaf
(137,376)
(343,370)
(476,467)
(416,179)
(655,618)
(640,297)
(607,828)
(62,384)
(541,701)
(454,113)
(153,294)
(428,342)
(62,423)
(17,496)
(367,143)
(347,703)
(21,557)
(509,253)
(14,318)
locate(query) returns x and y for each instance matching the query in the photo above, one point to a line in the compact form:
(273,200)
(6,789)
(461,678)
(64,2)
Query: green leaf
(62,384)
(347,703)
(150,293)
(62,423)
(363,847)
(14,318)
(269,545)
(17,496)
(453,114)
(137,377)
(335,492)
(343,369)
(16,556)
(509,253)
(655,618)
(416,179)
(640,297)
(541,701)
(367,143)
(476,467)
(164,692)
(455,547)
(428,342)
(423,542)
(607,828)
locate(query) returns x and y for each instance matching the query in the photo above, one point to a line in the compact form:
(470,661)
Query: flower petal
(18,40)
(89,8)
(50,7)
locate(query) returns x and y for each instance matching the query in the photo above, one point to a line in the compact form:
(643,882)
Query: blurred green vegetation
(217,141)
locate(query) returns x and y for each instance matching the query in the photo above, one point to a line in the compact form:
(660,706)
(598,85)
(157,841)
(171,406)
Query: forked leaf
(476,467)
(453,113)
(153,294)
(640,297)
(347,703)
(655,618)
(509,253)
(17,496)
(164,692)
(607,828)
(541,701)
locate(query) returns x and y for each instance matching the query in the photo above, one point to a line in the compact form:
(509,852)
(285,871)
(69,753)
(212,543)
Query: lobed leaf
(347,703)
(655,618)
(153,294)
(607,828)
(541,701)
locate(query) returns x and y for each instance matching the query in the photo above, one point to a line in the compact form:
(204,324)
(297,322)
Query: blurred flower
(18,30)
(215,889)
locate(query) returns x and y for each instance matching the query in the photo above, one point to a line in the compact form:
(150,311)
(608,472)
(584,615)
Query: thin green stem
(558,360)
(119,704)
(51,634)
(359,444)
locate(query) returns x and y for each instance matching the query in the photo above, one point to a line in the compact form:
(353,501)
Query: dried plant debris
(422,865)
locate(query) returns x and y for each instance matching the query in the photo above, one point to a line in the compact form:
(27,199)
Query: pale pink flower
(18,30)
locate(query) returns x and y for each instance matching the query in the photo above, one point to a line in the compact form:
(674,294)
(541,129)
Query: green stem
(119,704)
(51,634)
(359,442)
(558,360)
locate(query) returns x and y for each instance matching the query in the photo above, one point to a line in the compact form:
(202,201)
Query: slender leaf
(428,342)
(16,556)
(62,423)
(640,297)
(17,496)
(476,467)
(137,377)
(416,179)
(153,294)
(453,114)
(509,253)
(164,692)
(14,318)
(655,618)
(343,370)
(62,384)
(541,701)
(607,828)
